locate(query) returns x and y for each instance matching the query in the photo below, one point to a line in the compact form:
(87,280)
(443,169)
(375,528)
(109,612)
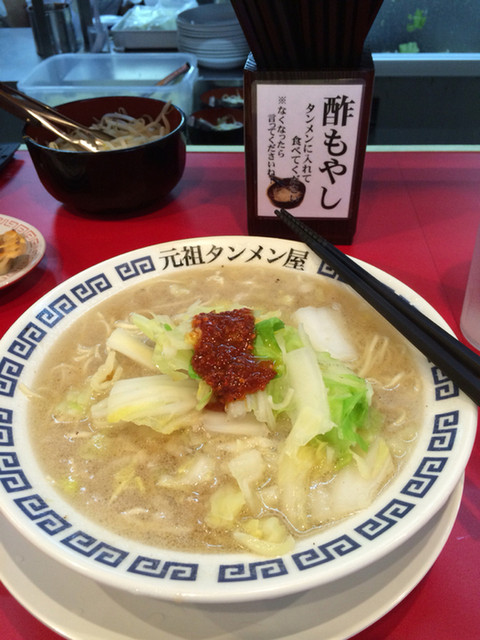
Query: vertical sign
(307,137)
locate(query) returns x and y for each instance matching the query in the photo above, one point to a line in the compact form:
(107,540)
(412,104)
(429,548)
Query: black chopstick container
(308,86)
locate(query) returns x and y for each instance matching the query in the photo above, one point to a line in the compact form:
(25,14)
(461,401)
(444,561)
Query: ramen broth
(156,487)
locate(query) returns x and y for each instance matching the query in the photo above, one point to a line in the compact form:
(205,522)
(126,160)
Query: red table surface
(418,216)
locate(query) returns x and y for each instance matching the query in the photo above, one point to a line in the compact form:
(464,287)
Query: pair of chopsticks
(454,359)
(306,34)
(174,75)
(170,78)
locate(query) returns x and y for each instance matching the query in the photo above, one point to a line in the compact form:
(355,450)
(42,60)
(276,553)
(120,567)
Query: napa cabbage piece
(204,390)
(131,346)
(172,347)
(266,536)
(310,410)
(272,339)
(153,401)
(226,504)
(77,403)
(295,472)
(326,331)
(67,484)
(74,406)
(126,479)
(171,352)
(248,468)
(349,398)
(358,483)
(197,469)
(106,374)
(322,396)
(96,446)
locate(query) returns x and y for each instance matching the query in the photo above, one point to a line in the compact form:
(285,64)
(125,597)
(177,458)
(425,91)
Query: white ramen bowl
(44,518)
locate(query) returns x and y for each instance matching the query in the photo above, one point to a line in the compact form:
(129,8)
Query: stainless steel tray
(143,39)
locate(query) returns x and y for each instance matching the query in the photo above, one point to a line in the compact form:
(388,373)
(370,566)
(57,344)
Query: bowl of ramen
(222,420)
(140,165)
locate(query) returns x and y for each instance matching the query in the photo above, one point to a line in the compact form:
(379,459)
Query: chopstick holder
(308,87)
(310,126)
(454,359)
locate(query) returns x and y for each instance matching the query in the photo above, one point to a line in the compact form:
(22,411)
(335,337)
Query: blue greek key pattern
(100,551)
(11,475)
(35,508)
(6,423)
(9,373)
(26,341)
(135,268)
(154,568)
(444,387)
(327,552)
(384,519)
(56,311)
(91,287)
(251,570)
(326,270)
(424,477)
(444,431)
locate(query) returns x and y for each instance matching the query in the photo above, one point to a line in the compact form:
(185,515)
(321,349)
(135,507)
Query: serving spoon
(28,109)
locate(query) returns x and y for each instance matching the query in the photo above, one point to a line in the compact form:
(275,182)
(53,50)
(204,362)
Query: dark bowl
(199,133)
(286,192)
(110,181)
(222,96)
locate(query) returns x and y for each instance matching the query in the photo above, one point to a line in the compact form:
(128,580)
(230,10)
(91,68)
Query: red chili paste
(223,354)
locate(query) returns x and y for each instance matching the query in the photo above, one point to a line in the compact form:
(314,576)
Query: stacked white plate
(212,33)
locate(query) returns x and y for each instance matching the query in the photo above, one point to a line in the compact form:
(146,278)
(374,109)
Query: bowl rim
(28,140)
(235,585)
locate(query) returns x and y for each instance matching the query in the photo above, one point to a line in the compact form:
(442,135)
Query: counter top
(418,217)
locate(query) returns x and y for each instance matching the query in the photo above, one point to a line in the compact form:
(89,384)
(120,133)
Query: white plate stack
(213,33)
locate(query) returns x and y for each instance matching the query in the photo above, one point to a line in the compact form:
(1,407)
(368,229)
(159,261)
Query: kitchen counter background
(430,99)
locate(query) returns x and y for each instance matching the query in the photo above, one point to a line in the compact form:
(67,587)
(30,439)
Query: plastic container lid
(76,76)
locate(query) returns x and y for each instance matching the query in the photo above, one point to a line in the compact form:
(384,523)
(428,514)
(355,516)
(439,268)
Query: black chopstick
(455,360)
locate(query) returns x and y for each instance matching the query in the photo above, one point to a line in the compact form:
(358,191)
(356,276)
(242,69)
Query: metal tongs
(28,109)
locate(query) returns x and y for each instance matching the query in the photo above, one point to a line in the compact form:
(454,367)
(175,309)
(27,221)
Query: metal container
(52,28)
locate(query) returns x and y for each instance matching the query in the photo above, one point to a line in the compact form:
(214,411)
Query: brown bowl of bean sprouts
(142,163)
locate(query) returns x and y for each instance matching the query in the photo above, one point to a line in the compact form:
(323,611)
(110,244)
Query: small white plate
(80,609)
(34,253)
